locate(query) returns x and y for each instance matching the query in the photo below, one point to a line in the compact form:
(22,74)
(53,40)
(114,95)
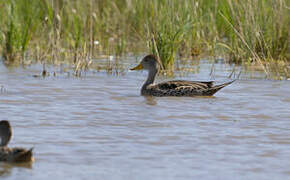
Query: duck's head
(149,62)
(5,132)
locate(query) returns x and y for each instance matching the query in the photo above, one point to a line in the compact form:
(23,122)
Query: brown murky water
(99,127)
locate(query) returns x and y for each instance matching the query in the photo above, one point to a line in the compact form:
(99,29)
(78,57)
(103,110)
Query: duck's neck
(150,79)
(4,141)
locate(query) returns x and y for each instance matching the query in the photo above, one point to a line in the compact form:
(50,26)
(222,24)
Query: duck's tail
(216,88)
(24,156)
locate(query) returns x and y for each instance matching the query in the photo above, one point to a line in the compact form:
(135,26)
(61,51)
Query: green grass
(165,37)
(56,31)
(17,29)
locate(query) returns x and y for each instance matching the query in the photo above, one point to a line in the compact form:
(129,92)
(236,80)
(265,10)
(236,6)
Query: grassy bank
(54,31)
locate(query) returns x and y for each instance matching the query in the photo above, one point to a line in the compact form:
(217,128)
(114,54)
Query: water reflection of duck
(11,154)
(6,169)
(173,88)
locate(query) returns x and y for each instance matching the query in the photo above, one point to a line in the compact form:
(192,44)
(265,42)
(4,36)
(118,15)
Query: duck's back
(182,88)
(15,154)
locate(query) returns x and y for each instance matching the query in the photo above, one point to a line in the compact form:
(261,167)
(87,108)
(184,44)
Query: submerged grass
(58,31)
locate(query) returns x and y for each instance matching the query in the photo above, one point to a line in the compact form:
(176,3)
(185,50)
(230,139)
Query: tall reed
(18,28)
(249,31)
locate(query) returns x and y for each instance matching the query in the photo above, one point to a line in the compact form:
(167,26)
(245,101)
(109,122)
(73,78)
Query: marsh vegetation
(75,32)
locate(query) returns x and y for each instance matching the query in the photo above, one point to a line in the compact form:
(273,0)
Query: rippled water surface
(99,127)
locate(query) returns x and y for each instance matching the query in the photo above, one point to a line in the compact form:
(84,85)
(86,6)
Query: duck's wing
(184,88)
(5,132)
(21,155)
(181,83)
(179,88)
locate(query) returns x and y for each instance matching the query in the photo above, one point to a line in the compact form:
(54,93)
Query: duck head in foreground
(151,63)
(12,154)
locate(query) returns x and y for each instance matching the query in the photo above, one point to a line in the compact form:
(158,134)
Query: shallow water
(99,127)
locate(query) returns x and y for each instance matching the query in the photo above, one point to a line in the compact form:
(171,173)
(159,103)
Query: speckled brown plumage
(173,88)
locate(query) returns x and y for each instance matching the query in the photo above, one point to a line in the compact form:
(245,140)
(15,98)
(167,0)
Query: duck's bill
(139,67)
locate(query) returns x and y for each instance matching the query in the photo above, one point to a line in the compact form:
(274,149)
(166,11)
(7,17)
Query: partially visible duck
(173,88)
(12,154)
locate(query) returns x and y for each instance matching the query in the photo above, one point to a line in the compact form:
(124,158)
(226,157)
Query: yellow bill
(139,67)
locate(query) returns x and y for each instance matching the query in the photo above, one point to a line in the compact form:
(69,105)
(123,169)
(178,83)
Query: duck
(13,155)
(152,64)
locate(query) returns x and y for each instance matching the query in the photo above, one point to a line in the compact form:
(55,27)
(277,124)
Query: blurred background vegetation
(76,31)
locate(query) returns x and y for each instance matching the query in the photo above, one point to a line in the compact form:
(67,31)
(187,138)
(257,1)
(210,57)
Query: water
(99,127)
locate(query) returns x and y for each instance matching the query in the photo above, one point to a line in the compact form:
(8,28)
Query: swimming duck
(11,154)
(173,88)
